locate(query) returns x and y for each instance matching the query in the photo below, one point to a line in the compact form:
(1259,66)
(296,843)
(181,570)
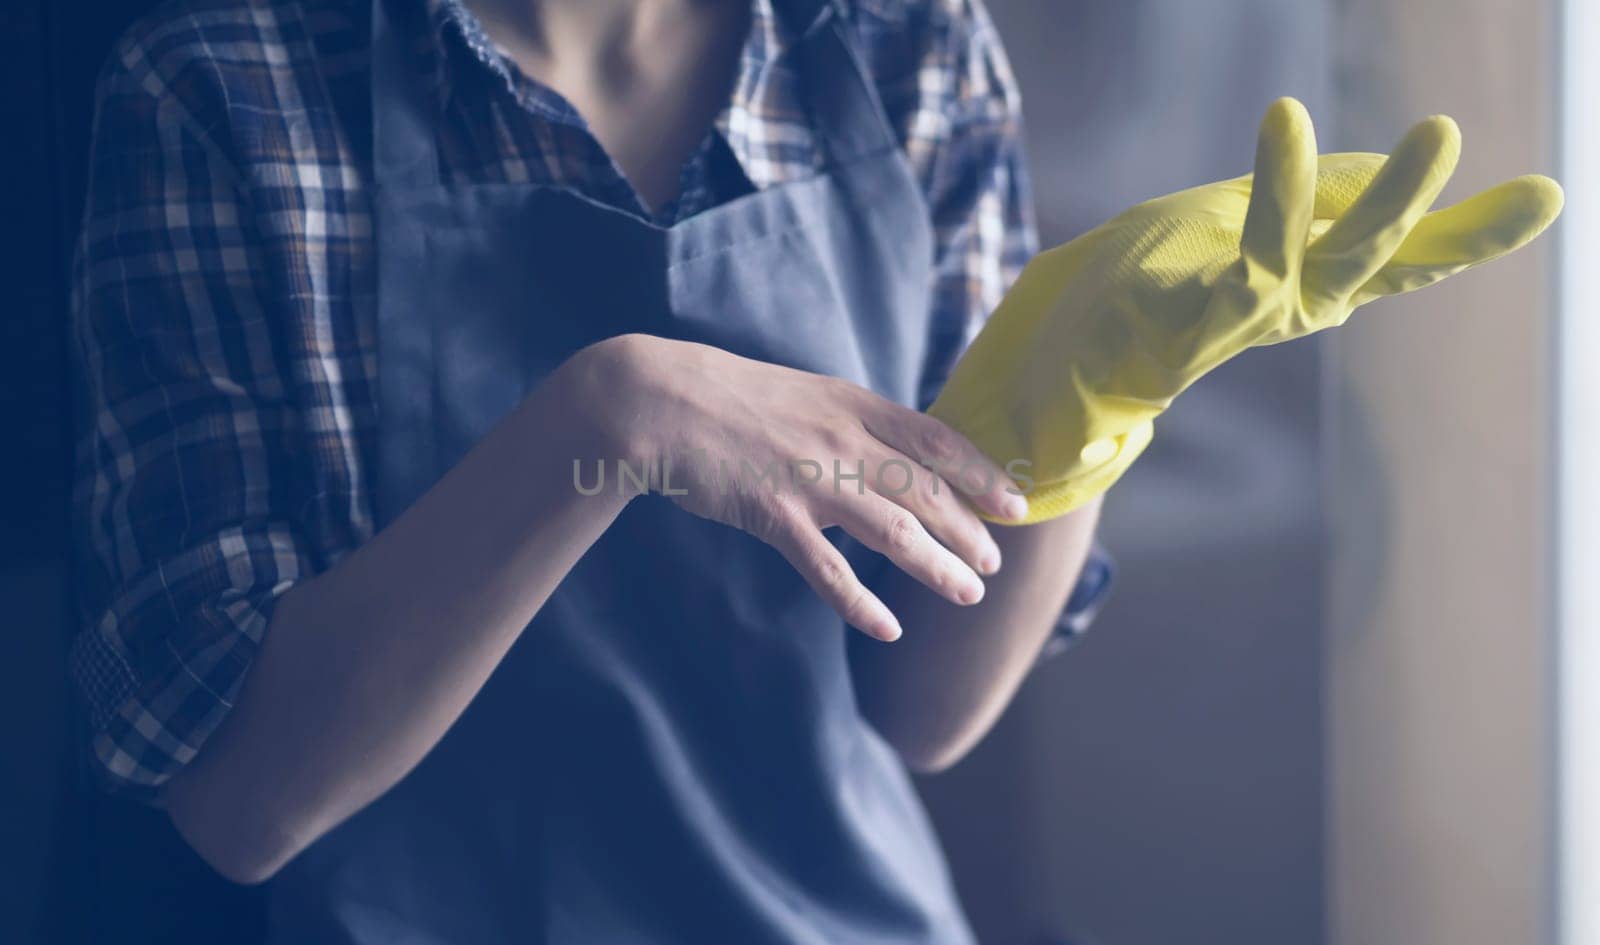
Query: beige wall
(1440,459)
(1147,787)
(1162,784)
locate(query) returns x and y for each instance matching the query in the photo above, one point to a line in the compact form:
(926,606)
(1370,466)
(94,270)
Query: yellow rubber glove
(1100,334)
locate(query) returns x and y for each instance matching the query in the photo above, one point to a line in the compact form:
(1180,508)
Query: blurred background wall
(1441,467)
(1321,706)
(1162,782)
(56,885)
(33,418)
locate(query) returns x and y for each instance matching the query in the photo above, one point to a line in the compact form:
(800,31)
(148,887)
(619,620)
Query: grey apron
(672,751)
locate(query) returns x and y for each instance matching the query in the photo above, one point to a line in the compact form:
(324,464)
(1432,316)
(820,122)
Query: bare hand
(784,454)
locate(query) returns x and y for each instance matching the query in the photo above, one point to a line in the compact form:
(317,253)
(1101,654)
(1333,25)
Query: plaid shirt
(224,286)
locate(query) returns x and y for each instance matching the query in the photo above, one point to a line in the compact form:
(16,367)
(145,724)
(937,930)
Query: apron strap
(846,111)
(404,152)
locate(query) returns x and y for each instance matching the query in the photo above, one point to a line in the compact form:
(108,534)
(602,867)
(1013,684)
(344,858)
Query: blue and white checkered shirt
(224,283)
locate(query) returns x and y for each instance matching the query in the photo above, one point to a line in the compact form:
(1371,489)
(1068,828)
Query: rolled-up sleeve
(1088,596)
(183,533)
(974,169)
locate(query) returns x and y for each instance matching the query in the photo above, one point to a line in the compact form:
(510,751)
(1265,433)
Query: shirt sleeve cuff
(157,670)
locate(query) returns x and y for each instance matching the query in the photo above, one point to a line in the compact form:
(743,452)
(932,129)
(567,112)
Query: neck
(550,27)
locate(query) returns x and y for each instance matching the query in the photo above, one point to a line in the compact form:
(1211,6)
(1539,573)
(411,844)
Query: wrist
(604,388)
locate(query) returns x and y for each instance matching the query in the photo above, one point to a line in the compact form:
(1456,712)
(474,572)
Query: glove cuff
(1058,497)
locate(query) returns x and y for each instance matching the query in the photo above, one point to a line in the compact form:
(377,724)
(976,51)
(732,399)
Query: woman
(360,291)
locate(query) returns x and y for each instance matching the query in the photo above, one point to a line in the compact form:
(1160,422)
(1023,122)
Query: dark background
(55,885)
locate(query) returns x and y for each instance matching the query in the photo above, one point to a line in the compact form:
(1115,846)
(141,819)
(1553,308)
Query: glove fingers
(1282,194)
(1341,178)
(1476,230)
(1367,234)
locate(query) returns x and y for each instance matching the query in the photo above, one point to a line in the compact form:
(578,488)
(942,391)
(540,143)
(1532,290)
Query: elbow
(244,848)
(237,854)
(933,758)
(924,747)
(245,867)
(241,854)
(930,731)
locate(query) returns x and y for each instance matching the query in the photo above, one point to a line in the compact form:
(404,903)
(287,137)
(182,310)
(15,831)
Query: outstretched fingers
(1483,227)
(1341,179)
(1364,238)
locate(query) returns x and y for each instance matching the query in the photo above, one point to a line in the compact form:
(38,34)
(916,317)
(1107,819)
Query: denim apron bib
(671,752)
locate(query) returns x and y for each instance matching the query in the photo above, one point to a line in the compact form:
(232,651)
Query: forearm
(365,667)
(938,690)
